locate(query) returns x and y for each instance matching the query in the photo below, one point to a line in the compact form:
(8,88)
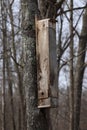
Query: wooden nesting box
(46,63)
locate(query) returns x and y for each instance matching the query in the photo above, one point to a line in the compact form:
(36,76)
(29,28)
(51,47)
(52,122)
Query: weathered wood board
(46,63)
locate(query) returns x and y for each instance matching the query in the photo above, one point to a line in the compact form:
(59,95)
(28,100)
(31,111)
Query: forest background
(71,43)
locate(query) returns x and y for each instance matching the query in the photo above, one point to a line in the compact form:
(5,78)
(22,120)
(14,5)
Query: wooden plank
(43,103)
(48,102)
(42,58)
(46,64)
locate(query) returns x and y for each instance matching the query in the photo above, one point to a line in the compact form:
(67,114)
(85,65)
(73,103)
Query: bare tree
(71,101)
(19,70)
(10,87)
(80,72)
(4,41)
(18,67)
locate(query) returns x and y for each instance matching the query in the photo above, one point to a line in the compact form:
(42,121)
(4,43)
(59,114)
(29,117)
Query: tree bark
(4,41)
(9,74)
(36,119)
(71,92)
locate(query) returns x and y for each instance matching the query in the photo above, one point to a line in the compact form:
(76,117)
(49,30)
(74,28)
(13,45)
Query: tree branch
(74,9)
(66,62)
(59,4)
(16,62)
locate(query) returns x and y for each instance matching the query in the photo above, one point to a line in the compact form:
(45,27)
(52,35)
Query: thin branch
(16,62)
(59,4)
(66,62)
(74,9)
(11,3)
(65,46)
(79,18)
(73,27)
(10,23)
(63,117)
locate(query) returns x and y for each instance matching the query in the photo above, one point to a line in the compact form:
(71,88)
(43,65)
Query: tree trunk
(18,70)
(71,92)
(4,41)
(45,118)
(80,72)
(9,76)
(36,119)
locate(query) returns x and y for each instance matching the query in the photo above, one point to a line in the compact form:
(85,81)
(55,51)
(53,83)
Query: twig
(16,62)
(66,62)
(74,9)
